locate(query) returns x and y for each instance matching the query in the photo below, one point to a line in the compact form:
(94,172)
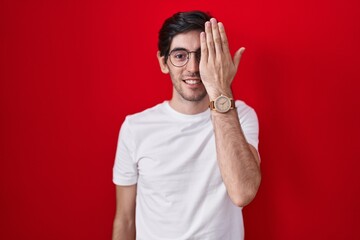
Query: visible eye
(179,55)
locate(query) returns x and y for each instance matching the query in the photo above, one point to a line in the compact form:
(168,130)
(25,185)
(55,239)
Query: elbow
(244,196)
(242,200)
(123,229)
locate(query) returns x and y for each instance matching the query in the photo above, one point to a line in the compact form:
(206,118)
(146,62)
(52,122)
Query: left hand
(217,67)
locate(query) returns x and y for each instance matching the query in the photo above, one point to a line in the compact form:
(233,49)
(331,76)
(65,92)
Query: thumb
(237,56)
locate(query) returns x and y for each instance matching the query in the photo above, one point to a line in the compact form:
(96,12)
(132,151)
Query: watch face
(222,104)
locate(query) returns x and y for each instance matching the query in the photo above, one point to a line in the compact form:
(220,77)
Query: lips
(192,81)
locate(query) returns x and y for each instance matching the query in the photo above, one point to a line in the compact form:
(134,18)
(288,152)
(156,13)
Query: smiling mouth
(192,81)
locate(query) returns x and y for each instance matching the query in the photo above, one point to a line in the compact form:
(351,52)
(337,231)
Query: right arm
(124,222)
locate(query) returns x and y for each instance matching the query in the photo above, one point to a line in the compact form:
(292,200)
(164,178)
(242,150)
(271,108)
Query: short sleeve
(249,124)
(125,168)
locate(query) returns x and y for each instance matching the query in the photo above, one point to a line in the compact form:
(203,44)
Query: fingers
(216,36)
(209,40)
(224,40)
(237,56)
(203,47)
(216,39)
(214,43)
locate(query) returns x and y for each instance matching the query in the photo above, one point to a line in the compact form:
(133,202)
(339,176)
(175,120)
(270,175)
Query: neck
(189,107)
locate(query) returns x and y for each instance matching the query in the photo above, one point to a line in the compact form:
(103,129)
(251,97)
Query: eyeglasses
(180,57)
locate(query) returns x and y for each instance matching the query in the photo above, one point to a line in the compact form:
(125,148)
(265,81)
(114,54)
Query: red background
(71,70)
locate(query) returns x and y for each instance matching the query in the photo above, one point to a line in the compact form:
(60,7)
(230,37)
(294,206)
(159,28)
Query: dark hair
(180,22)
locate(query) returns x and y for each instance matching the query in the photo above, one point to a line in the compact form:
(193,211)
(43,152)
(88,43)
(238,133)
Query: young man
(185,168)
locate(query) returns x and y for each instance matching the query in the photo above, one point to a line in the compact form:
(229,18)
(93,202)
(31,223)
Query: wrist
(222,104)
(214,93)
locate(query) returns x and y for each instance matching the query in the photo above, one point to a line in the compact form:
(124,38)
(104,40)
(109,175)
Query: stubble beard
(193,97)
(196,95)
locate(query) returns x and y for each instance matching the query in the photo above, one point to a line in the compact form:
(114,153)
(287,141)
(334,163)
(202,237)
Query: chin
(195,98)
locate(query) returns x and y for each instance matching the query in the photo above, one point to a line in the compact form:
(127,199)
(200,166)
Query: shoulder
(147,115)
(243,109)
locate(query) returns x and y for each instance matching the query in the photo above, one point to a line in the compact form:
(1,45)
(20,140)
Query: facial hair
(196,96)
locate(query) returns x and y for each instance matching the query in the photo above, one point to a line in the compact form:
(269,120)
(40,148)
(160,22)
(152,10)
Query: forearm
(124,229)
(237,159)
(238,164)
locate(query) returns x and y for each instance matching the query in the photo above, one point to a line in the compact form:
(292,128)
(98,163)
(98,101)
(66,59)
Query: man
(182,170)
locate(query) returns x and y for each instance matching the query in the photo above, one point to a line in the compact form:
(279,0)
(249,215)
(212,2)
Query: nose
(193,64)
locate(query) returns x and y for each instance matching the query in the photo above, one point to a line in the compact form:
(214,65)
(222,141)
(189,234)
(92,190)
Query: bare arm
(124,222)
(238,161)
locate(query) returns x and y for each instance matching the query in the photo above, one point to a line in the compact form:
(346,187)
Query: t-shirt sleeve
(250,125)
(125,167)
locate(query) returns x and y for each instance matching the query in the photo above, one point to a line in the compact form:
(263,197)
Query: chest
(180,155)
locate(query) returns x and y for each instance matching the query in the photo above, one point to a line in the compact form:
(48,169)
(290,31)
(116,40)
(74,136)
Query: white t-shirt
(172,159)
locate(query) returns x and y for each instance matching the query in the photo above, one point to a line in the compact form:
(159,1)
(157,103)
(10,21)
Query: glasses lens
(179,57)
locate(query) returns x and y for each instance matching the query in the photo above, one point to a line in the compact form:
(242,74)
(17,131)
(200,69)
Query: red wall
(71,70)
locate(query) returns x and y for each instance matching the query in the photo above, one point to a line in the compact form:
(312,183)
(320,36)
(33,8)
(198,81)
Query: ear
(164,67)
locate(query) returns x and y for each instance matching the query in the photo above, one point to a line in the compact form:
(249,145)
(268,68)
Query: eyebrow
(180,49)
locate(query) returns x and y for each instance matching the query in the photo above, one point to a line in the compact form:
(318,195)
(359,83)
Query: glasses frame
(197,53)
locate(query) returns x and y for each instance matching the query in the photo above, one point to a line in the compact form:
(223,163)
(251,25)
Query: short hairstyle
(180,22)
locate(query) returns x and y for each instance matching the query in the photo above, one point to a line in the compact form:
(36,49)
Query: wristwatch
(222,104)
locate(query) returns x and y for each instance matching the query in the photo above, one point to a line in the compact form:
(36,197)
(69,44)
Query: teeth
(191,82)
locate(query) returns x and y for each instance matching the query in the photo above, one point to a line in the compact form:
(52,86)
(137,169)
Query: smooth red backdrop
(71,71)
